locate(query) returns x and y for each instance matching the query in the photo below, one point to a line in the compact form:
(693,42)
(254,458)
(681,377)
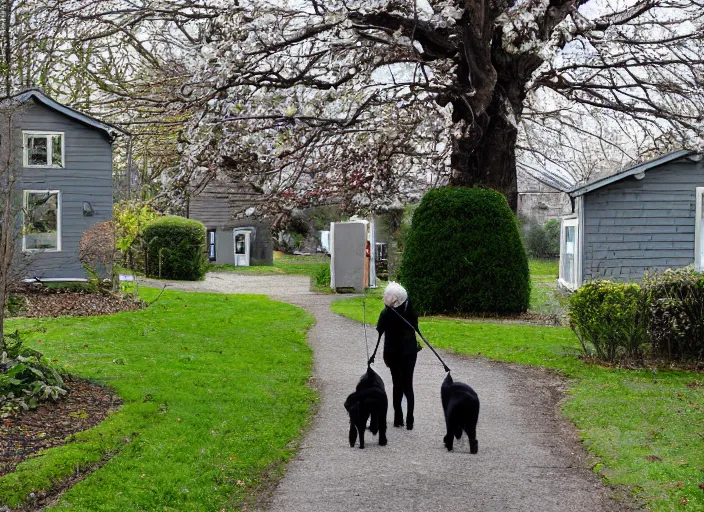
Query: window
(43,149)
(699,232)
(569,253)
(240,247)
(41,229)
(211,244)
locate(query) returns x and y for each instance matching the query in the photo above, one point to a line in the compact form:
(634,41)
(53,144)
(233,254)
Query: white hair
(394,295)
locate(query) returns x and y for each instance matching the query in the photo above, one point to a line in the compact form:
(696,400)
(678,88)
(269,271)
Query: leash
(364,322)
(447,369)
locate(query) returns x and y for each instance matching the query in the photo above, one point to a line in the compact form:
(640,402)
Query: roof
(554,181)
(631,171)
(110,130)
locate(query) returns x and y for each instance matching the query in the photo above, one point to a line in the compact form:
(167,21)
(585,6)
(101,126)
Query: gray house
(647,217)
(63,163)
(234,236)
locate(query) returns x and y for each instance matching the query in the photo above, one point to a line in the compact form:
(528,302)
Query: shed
(646,217)
(234,233)
(63,164)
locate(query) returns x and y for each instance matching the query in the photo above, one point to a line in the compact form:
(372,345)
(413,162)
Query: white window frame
(25,195)
(574,222)
(49,154)
(698,238)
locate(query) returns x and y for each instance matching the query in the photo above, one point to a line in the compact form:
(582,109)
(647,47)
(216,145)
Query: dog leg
(374,423)
(353,435)
(361,435)
(471,430)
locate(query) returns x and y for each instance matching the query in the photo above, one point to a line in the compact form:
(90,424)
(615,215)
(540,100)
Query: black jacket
(399,337)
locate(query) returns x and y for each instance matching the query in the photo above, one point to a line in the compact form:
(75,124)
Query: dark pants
(402,367)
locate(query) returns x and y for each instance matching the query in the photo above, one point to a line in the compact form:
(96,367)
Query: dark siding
(218,207)
(634,225)
(87,176)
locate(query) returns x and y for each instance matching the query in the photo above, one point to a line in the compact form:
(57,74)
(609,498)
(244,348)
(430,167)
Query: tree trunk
(485,155)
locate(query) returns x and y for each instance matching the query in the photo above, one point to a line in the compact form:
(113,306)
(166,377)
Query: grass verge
(215,394)
(646,427)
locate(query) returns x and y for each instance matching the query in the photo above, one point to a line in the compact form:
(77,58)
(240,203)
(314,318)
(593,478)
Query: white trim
(698,236)
(59,221)
(579,204)
(247,243)
(49,149)
(570,222)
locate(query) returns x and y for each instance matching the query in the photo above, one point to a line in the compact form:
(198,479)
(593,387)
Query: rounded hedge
(175,249)
(464,254)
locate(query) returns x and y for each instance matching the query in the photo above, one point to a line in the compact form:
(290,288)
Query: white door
(241,238)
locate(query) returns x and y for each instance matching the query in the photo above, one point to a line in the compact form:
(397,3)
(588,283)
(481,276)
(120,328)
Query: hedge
(464,254)
(175,249)
(609,320)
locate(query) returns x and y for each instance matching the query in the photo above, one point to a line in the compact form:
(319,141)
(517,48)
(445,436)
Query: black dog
(368,401)
(461,406)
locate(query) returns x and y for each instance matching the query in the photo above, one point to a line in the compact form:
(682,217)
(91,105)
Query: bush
(542,241)
(26,378)
(130,218)
(609,319)
(96,251)
(175,249)
(676,313)
(464,254)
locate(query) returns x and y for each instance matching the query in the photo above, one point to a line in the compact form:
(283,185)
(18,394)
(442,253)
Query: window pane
(56,154)
(41,220)
(568,255)
(37,150)
(239,244)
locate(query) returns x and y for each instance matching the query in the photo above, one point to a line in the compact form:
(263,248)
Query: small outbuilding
(647,217)
(63,164)
(234,233)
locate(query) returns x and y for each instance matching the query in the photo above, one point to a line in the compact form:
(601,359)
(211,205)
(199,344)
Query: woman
(400,348)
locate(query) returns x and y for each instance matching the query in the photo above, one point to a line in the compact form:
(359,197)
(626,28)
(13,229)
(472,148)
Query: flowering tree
(311,99)
(370,102)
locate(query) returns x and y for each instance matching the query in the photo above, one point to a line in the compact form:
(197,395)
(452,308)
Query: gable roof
(110,130)
(631,171)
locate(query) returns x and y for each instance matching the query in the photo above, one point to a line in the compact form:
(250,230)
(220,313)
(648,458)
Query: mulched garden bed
(40,302)
(86,405)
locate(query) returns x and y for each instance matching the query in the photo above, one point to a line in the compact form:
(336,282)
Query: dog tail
(458,432)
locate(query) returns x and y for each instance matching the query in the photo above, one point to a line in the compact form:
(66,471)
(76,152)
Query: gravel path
(529,459)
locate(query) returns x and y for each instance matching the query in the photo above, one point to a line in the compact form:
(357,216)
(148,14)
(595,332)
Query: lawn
(215,396)
(646,427)
(286,264)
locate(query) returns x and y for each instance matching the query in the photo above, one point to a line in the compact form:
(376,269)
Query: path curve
(529,458)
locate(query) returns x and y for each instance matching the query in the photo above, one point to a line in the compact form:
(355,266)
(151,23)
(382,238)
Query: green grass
(288,264)
(544,268)
(645,427)
(214,390)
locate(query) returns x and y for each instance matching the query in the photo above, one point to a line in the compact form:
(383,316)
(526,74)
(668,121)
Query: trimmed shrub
(175,249)
(609,319)
(464,254)
(676,313)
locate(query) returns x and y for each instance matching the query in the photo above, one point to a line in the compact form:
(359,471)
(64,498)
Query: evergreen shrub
(464,254)
(676,313)
(609,320)
(175,249)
